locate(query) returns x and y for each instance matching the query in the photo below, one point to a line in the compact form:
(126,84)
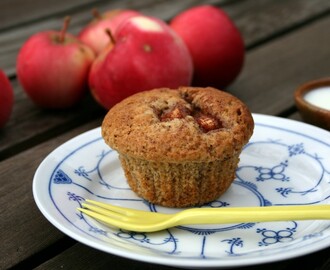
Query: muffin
(179,147)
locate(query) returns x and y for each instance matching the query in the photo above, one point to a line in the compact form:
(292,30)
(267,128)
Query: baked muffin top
(178,125)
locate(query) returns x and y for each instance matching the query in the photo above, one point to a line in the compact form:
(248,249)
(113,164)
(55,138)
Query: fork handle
(253,214)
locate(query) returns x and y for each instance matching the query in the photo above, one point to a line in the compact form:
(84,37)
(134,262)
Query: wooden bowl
(310,112)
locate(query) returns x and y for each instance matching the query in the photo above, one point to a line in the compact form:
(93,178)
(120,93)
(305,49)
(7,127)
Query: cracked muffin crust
(179,147)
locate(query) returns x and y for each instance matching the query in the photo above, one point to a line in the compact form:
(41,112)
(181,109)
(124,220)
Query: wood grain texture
(26,234)
(33,10)
(262,20)
(30,124)
(273,72)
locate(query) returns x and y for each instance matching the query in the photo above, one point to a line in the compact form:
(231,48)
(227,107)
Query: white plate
(285,163)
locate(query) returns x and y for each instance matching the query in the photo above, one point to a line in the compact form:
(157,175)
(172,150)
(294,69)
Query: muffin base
(179,184)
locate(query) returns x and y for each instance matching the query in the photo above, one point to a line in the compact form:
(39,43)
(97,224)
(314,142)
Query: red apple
(6,99)
(215,44)
(94,34)
(147,54)
(53,68)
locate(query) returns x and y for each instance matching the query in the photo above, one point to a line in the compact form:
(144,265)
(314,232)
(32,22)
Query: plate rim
(175,261)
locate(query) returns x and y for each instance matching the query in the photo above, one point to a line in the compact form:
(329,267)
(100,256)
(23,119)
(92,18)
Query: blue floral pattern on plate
(285,163)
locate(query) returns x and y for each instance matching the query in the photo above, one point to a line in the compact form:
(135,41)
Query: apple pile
(122,52)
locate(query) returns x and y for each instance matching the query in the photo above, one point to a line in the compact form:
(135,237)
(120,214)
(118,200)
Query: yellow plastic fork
(143,221)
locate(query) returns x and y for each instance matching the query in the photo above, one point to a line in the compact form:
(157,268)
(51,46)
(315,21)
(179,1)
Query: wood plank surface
(262,20)
(33,10)
(30,125)
(24,235)
(273,71)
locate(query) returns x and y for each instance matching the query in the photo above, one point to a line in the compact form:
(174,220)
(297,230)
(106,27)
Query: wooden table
(287,43)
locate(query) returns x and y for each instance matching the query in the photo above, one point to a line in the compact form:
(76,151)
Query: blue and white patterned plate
(285,163)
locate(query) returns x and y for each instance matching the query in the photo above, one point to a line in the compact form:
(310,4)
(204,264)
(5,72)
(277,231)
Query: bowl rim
(301,91)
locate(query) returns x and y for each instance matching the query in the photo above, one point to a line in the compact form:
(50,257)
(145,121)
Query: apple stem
(96,14)
(112,39)
(66,23)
